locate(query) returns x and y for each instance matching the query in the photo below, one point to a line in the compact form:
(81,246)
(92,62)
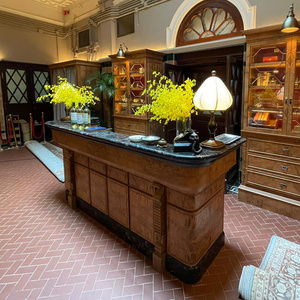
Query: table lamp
(212,95)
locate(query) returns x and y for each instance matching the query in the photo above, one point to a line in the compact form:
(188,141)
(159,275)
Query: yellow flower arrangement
(170,101)
(67,93)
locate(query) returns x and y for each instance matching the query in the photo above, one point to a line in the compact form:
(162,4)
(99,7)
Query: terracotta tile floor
(50,251)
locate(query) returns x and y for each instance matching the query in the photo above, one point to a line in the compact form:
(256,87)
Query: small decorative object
(162,143)
(270,58)
(171,102)
(67,93)
(213,95)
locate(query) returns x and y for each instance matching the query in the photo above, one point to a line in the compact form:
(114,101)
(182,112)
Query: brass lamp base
(212,144)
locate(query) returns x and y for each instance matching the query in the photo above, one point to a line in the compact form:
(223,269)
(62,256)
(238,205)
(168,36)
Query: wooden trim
(225,5)
(75,63)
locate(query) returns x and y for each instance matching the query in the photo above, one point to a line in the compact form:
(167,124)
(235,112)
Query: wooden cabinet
(131,76)
(271,121)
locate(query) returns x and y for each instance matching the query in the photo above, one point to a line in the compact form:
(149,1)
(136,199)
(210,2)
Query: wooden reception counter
(169,206)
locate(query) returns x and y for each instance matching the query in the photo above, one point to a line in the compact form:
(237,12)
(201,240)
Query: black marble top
(185,159)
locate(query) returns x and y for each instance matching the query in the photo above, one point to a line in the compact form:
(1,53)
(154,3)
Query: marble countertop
(186,159)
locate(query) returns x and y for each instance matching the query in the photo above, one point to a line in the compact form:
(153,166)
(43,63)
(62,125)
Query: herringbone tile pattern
(50,251)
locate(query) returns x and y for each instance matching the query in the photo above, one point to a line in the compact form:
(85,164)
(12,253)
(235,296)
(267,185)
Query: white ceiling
(52,10)
(58,3)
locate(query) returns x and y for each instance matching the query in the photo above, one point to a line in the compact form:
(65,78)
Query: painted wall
(150,32)
(32,47)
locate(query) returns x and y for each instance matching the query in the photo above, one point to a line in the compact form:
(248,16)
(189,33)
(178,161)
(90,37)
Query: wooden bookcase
(131,76)
(271,121)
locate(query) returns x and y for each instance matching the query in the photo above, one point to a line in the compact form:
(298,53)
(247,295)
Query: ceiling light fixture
(290,24)
(121,53)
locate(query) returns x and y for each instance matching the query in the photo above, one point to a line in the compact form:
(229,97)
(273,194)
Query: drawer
(81,159)
(287,150)
(275,165)
(97,166)
(117,174)
(127,126)
(270,182)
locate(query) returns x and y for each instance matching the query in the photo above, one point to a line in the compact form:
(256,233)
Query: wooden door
(22,84)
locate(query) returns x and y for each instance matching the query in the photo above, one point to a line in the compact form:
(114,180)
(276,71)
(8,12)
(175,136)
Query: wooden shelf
(272,64)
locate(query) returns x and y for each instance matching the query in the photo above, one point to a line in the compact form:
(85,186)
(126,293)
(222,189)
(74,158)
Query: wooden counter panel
(81,159)
(189,180)
(117,174)
(118,208)
(82,182)
(190,235)
(97,166)
(141,215)
(98,191)
(141,184)
(191,202)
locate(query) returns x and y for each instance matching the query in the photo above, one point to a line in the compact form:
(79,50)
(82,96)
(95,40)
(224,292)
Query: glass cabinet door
(266,91)
(121,94)
(295,126)
(137,85)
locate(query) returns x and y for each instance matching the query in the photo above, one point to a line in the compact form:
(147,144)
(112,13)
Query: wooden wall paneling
(118,208)
(98,191)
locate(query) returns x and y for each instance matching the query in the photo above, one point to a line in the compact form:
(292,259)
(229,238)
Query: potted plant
(104,83)
(67,93)
(171,102)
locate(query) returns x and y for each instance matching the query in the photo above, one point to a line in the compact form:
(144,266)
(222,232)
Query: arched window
(209,20)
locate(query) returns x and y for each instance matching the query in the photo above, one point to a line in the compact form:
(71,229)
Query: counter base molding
(169,206)
(192,275)
(276,203)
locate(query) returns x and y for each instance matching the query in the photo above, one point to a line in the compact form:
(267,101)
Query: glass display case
(271,121)
(273,87)
(266,86)
(295,125)
(137,85)
(131,75)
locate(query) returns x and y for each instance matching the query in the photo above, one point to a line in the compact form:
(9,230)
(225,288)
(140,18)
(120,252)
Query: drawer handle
(284,168)
(285,150)
(283,185)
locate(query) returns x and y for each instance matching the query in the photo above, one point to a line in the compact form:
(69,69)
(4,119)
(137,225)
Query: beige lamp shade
(213,95)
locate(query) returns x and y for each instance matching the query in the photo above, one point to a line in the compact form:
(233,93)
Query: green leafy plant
(102,82)
(170,101)
(67,93)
